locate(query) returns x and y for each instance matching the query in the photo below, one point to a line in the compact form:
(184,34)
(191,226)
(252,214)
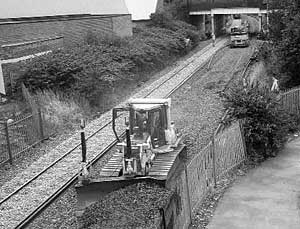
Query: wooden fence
(225,151)
(19,135)
(290,100)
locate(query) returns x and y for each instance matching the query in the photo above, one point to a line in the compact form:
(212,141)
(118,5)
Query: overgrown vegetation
(283,51)
(266,126)
(99,70)
(60,110)
(91,69)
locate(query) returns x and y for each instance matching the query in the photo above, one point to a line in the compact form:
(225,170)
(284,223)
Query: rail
(50,199)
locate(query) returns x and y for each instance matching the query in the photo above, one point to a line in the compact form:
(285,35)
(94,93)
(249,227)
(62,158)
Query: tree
(285,37)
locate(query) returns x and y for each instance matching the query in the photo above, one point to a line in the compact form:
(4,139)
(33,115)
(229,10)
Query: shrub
(266,125)
(165,20)
(102,62)
(285,37)
(87,70)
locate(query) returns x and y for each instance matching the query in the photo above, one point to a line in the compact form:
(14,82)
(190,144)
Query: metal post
(40,122)
(259,22)
(214,160)
(128,143)
(203,24)
(8,143)
(84,179)
(83,142)
(213,29)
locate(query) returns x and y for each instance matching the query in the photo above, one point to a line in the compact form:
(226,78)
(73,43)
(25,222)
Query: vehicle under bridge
(211,16)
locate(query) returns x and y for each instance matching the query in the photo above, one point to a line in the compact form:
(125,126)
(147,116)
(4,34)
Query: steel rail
(49,167)
(90,136)
(55,195)
(213,56)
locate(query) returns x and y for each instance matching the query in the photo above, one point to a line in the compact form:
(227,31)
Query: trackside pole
(83,142)
(213,30)
(84,172)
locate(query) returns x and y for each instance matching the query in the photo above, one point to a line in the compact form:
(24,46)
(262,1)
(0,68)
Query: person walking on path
(268,197)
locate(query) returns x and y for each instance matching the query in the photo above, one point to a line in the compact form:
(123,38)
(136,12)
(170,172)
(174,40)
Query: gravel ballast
(28,198)
(196,109)
(136,206)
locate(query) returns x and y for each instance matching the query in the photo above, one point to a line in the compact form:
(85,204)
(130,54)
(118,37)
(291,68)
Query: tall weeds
(60,110)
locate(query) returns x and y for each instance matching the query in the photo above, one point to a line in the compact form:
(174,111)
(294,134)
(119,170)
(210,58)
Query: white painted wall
(2,87)
(141,9)
(15,60)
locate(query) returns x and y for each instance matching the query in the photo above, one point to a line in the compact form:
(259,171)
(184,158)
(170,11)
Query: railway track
(100,138)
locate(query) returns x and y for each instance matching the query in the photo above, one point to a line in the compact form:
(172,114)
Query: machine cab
(147,133)
(147,117)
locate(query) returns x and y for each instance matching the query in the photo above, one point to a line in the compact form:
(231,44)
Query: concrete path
(268,197)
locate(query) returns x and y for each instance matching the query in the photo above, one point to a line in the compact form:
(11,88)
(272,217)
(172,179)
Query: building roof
(141,9)
(42,8)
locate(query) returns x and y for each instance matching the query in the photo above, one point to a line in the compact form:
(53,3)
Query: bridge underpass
(211,16)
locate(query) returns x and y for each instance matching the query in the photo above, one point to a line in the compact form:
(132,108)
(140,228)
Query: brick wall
(75,30)
(71,30)
(122,26)
(28,31)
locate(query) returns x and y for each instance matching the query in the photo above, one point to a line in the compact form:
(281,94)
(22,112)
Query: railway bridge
(211,16)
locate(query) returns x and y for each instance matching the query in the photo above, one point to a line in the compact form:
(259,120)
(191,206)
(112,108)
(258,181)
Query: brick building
(34,26)
(44,25)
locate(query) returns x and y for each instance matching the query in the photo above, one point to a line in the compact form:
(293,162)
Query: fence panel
(226,151)
(24,132)
(229,148)
(3,144)
(290,101)
(200,175)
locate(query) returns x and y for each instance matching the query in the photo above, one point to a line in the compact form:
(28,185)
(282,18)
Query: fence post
(243,137)
(188,192)
(212,148)
(162,214)
(8,142)
(40,123)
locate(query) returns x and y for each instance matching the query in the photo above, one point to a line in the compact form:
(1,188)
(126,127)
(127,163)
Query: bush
(165,20)
(102,62)
(88,70)
(266,125)
(285,37)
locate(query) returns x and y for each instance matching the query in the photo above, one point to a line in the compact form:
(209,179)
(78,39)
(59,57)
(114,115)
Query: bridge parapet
(207,5)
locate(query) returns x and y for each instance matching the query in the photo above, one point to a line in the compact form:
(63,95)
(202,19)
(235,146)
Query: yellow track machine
(151,150)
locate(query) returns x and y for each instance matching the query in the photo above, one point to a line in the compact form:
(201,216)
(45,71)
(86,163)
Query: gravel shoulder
(9,172)
(205,211)
(196,111)
(48,216)
(64,218)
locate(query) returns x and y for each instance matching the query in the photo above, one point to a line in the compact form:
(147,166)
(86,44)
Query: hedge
(101,62)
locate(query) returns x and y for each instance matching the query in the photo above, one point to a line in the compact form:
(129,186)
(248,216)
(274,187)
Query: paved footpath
(268,197)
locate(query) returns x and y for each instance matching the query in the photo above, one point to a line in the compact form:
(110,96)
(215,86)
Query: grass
(61,110)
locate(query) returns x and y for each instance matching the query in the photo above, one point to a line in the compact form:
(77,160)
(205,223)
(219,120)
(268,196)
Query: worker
(275,86)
